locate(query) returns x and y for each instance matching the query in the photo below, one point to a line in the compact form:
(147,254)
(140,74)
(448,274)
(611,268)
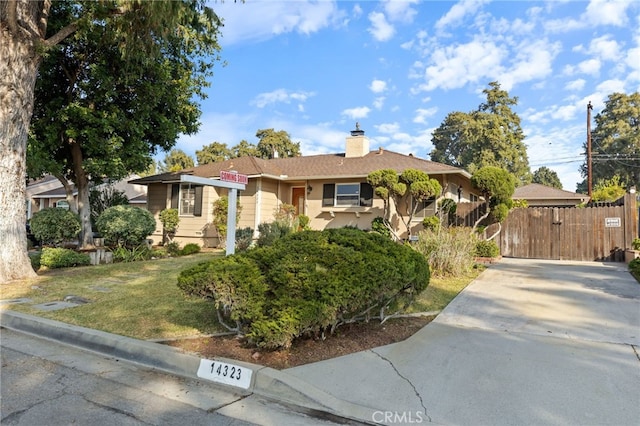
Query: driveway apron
(529,342)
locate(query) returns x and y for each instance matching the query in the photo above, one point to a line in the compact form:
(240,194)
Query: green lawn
(141,299)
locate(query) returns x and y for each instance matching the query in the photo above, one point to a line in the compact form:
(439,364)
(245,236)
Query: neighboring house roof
(54,193)
(311,167)
(536,191)
(140,199)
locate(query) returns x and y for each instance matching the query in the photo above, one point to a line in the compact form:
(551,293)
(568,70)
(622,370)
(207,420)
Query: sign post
(234,182)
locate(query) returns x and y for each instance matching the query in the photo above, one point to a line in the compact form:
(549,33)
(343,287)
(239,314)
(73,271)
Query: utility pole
(589,168)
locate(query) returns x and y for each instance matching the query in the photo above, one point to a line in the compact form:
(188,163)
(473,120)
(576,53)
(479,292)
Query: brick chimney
(357,143)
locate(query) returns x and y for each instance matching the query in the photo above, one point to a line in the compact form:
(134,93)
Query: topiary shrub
(486,248)
(170,220)
(308,283)
(126,225)
(431,223)
(190,248)
(54,226)
(62,258)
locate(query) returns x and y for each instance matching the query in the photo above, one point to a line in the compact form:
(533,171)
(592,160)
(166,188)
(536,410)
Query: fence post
(630,219)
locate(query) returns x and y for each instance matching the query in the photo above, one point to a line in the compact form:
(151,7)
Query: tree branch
(61,35)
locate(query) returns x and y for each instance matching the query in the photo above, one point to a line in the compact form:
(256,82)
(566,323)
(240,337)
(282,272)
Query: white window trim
(335,195)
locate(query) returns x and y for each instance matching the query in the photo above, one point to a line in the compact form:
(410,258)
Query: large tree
(274,144)
(488,136)
(150,44)
(548,177)
(213,153)
(615,141)
(175,160)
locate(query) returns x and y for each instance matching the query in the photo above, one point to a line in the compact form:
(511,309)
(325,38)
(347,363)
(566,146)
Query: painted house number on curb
(228,374)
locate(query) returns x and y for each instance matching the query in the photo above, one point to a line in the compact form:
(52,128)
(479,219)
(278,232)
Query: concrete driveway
(530,342)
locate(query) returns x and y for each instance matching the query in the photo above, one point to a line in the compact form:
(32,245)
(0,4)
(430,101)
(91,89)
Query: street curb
(267,382)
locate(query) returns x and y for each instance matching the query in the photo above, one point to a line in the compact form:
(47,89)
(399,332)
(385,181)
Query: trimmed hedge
(54,226)
(126,225)
(63,258)
(308,283)
(486,248)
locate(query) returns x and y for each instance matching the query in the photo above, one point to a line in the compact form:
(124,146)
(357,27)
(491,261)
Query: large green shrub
(54,226)
(170,220)
(449,251)
(634,268)
(309,282)
(126,225)
(62,258)
(190,248)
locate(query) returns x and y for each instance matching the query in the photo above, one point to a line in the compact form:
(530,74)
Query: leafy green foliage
(35,260)
(170,220)
(133,254)
(101,198)
(308,282)
(489,136)
(431,223)
(608,190)
(377,225)
(635,244)
(175,160)
(213,153)
(270,232)
(449,251)
(497,186)
(487,249)
(272,144)
(54,226)
(634,268)
(615,141)
(546,176)
(244,238)
(62,258)
(126,225)
(124,83)
(190,248)
(221,214)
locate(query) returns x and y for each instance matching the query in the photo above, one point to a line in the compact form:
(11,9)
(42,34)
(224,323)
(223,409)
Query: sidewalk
(528,342)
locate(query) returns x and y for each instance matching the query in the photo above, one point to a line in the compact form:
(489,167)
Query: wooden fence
(593,233)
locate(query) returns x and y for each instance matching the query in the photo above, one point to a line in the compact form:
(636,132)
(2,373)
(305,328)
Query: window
(473,198)
(62,204)
(187,198)
(426,208)
(347,195)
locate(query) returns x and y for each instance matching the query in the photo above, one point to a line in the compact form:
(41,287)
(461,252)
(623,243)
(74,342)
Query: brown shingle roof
(536,191)
(312,167)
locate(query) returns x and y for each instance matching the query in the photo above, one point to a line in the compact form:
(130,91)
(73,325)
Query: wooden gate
(599,233)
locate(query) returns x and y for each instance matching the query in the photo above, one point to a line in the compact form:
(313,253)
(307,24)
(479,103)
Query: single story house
(49,192)
(330,189)
(538,195)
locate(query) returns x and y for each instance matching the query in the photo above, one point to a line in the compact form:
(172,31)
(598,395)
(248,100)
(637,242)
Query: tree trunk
(18,69)
(84,208)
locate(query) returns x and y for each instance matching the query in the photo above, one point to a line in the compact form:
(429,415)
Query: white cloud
(455,16)
(590,67)
(607,12)
(456,65)
(605,48)
(280,96)
(533,60)
(263,19)
(378,102)
(378,86)
(423,113)
(575,85)
(380,29)
(358,112)
(400,10)
(387,128)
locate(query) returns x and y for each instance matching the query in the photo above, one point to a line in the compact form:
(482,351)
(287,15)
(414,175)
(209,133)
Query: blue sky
(315,68)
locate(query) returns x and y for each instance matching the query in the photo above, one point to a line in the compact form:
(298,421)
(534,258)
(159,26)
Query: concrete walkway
(530,342)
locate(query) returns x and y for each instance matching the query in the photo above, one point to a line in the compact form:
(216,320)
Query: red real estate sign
(235,177)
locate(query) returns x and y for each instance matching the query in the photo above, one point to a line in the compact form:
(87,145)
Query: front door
(297,199)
